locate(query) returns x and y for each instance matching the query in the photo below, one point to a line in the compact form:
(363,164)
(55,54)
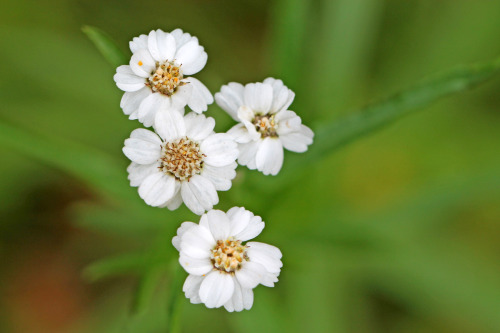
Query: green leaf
(97,169)
(105,44)
(175,299)
(146,289)
(345,130)
(119,265)
(290,19)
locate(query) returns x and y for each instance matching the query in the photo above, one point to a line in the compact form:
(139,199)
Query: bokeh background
(397,232)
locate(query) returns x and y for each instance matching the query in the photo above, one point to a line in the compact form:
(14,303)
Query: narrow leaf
(146,289)
(105,44)
(97,169)
(365,121)
(119,265)
(175,299)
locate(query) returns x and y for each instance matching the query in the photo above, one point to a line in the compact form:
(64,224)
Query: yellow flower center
(165,79)
(228,255)
(181,158)
(265,125)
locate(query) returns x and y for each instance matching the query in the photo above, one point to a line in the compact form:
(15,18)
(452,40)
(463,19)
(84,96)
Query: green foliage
(108,48)
(342,131)
(398,233)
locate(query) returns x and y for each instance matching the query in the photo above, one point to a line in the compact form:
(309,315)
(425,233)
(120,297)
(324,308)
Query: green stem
(175,300)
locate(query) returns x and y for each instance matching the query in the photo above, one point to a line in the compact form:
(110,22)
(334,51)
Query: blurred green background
(397,232)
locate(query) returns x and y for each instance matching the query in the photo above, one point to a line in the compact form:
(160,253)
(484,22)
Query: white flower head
(186,162)
(266,126)
(222,269)
(156,79)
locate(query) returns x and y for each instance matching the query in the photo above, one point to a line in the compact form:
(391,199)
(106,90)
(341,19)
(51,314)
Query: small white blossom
(187,162)
(155,77)
(222,270)
(266,126)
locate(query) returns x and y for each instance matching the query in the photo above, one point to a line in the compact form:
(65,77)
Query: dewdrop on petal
(223,270)
(185,162)
(156,77)
(266,126)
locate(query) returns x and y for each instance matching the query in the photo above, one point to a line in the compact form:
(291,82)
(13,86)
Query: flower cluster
(182,160)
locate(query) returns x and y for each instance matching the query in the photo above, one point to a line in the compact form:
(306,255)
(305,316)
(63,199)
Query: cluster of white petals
(155,78)
(222,269)
(265,125)
(184,162)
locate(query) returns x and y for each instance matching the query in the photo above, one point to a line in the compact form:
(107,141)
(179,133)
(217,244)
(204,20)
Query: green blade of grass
(290,19)
(146,289)
(136,262)
(95,168)
(340,132)
(106,46)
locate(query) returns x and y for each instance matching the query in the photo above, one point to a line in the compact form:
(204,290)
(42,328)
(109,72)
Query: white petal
(138,172)
(197,242)
(182,95)
(169,124)
(127,80)
(235,303)
(195,266)
(161,45)
(143,147)
(200,96)
(131,100)
(219,224)
(267,255)
(220,176)
(198,127)
(137,43)
(248,152)
(181,38)
(282,96)
(157,189)
(134,115)
(197,65)
(259,97)
(220,149)
(190,199)
(146,135)
(240,218)
(240,133)
(199,194)
(142,64)
(251,230)
(216,289)
(175,202)
(150,106)
(245,113)
(191,288)
(246,116)
(188,55)
(269,157)
(296,142)
(250,274)
(185,226)
(247,295)
(230,98)
(287,122)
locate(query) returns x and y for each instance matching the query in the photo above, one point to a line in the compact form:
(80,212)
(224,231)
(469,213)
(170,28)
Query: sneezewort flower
(266,126)
(156,75)
(186,162)
(223,270)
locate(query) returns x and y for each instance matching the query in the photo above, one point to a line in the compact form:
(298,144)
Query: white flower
(265,125)
(155,78)
(222,270)
(186,162)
